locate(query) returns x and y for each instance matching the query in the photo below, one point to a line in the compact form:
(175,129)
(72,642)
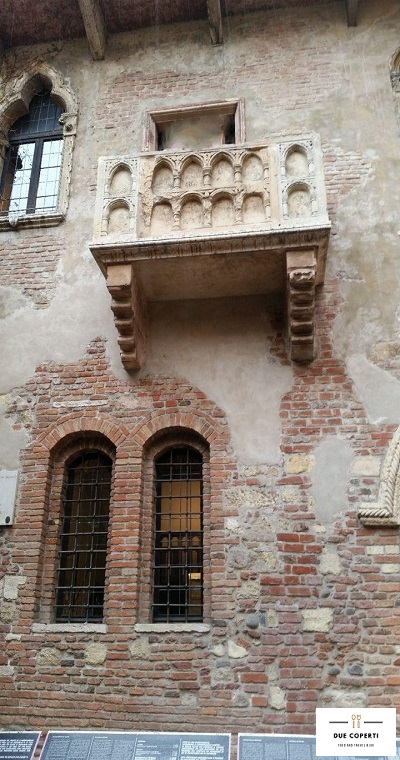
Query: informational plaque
(18,745)
(287,747)
(102,745)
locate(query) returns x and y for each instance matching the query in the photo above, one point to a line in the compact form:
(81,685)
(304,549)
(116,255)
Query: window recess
(31,173)
(178,537)
(79,594)
(195,127)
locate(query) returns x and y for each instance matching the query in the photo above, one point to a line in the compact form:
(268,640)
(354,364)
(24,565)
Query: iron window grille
(31,174)
(83,539)
(178,536)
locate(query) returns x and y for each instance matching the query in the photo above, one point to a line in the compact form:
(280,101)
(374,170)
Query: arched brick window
(82,550)
(178,536)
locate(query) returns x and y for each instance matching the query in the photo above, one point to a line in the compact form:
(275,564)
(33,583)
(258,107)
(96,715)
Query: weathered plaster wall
(335,81)
(304,599)
(224,347)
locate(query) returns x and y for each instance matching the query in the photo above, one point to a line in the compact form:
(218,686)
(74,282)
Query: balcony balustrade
(234,220)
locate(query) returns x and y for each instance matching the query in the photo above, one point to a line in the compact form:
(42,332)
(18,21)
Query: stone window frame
(67,450)
(15,103)
(395,79)
(156,118)
(159,443)
(386,511)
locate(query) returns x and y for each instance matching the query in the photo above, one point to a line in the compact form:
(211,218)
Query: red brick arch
(76,423)
(203,424)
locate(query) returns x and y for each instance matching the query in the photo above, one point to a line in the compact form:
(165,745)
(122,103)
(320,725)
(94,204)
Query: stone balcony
(236,220)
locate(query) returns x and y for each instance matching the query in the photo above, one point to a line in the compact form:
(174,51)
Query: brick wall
(300,615)
(30,264)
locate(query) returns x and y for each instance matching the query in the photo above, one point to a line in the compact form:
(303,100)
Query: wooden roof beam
(215,21)
(351,11)
(95,27)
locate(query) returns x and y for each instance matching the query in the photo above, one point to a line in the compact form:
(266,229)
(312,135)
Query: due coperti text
(356,736)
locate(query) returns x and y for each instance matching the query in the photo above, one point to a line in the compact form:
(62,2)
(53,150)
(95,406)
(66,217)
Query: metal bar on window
(178,537)
(83,539)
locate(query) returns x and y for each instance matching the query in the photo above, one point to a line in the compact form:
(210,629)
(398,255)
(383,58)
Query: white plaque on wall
(8,492)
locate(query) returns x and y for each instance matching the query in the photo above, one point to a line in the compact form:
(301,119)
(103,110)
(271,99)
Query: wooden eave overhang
(20,24)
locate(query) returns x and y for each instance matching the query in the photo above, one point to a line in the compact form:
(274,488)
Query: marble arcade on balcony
(230,221)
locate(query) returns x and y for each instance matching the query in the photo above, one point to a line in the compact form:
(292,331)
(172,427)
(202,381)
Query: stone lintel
(377,514)
(60,628)
(172,628)
(129,308)
(351,12)
(215,21)
(95,27)
(301,280)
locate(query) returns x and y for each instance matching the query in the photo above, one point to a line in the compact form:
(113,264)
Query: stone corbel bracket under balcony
(231,221)
(290,262)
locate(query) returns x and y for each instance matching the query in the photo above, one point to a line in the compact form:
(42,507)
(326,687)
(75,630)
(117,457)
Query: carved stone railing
(260,211)
(173,194)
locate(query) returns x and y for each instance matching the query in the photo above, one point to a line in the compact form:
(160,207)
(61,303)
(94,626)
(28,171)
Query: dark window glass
(178,536)
(83,539)
(31,174)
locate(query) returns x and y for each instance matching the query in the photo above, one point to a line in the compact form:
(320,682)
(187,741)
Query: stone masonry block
(367,465)
(317,620)
(299,463)
(330,563)
(11,585)
(235,651)
(277,698)
(95,654)
(49,656)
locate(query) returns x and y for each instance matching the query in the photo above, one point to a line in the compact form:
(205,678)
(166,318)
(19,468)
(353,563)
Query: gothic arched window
(31,173)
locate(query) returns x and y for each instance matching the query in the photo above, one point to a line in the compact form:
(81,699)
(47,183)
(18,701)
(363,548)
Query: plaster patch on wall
(78,313)
(11,441)
(221,346)
(11,300)
(378,391)
(330,477)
